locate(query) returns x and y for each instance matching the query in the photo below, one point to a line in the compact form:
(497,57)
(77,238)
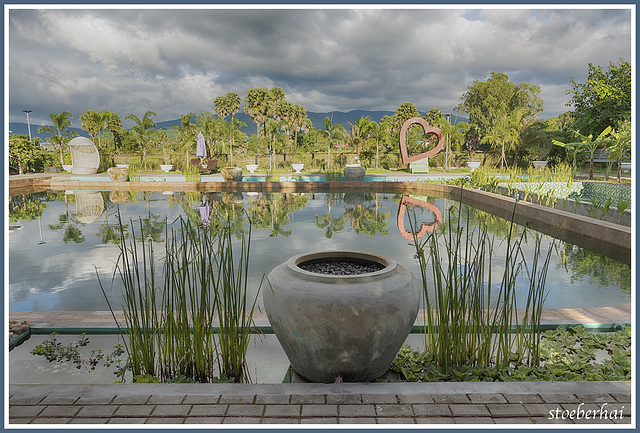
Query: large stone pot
(232,174)
(341,327)
(354,172)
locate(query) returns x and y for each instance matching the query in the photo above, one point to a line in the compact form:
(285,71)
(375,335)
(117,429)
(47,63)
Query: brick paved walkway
(345,403)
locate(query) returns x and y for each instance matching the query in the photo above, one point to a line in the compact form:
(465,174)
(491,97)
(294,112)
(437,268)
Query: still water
(58,241)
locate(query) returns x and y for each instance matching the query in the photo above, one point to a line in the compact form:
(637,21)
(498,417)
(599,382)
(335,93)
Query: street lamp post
(28,123)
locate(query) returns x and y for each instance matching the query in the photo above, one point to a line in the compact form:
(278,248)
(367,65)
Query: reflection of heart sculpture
(425,227)
(406,159)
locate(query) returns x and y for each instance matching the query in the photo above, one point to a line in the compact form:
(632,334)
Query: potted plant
(474,161)
(343,325)
(166,160)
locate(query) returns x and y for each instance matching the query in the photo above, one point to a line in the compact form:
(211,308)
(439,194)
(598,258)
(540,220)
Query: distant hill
(338,117)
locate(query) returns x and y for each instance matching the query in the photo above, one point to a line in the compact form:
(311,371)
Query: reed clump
(470,316)
(170,314)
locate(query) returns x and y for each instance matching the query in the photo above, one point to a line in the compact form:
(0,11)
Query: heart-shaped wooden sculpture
(402,209)
(406,159)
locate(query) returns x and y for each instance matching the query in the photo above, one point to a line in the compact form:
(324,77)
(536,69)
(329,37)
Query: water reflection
(82,229)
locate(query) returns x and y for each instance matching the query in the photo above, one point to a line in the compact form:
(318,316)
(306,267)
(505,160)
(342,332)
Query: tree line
(504,126)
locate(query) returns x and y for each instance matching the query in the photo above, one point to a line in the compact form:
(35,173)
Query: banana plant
(587,143)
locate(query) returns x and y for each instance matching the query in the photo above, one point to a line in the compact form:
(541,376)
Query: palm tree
(332,131)
(111,122)
(59,136)
(360,133)
(503,133)
(256,105)
(225,106)
(92,122)
(379,133)
(140,129)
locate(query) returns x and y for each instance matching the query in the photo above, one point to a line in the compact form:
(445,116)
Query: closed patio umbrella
(201,149)
(205,211)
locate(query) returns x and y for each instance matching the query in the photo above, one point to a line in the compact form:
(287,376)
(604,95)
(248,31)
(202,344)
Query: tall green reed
(465,321)
(170,321)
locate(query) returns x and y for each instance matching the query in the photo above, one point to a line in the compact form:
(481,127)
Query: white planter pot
(232,174)
(166,167)
(297,167)
(625,167)
(540,164)
(251,167)
(473,165)
(350,326)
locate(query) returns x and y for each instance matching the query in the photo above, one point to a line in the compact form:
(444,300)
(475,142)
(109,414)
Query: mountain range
(337,117)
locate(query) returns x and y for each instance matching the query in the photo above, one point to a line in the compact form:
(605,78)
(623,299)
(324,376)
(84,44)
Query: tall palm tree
(61,122)
(92,122)
(140,129)
(360,133)
(111,122)
(379,133)
(332,132)
(256,105)
(225,106)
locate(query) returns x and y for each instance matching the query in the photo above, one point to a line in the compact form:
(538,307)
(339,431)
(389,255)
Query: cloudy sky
(177,61)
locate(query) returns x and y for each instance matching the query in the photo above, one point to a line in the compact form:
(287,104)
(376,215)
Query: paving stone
(272,399)
(59,411)
(622,397)
(131,399)
(507,410)
(559,398)
(24,411)
(204,420)
(89,421)
(307,399)
(240,420)
(127,420)
(25,401)
(434,420)
(46,420)
(596,398)
(17,421)
(380,399)
(429,410)
(171,410)
(245,410)
(96,411)
(82,400)
(470,410)
(450,398)
(208,410)
(486,398)
(320,410)
(237,399)
(134,410)
(166,399)
(540,410)
(344,399)
(520,420)
(58,400)
(356,410)
(522,398)
(473,420)
(201,399)
(347,420)
(393,410)
(282,410)
(280,420)
(396,420)
(165,421)
(414,398)
(318,420)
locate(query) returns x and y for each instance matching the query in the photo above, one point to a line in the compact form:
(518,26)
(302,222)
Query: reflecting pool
(58,240)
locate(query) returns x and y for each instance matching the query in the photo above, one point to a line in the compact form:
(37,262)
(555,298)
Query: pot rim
(389,264)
